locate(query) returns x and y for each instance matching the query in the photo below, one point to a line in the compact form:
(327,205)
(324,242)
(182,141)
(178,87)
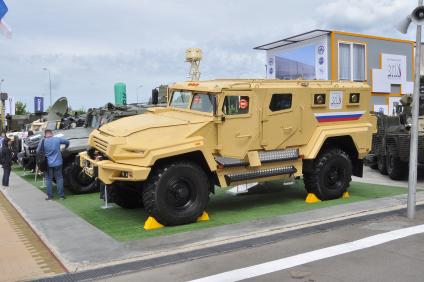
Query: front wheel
(330,176)
(77,181)
(176,193)
(396,169)
(382,164)
(126,195)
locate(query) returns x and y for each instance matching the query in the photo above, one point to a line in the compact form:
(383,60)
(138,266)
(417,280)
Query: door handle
(243,136)
(287,129)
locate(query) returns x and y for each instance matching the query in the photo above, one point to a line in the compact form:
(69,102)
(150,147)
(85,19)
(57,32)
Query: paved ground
(22,254)
(398,260)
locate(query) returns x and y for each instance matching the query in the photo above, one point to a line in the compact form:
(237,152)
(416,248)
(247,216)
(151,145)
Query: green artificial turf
(268,200)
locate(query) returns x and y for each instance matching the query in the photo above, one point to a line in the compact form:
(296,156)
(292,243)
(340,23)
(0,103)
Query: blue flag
(3,25)
(3,9)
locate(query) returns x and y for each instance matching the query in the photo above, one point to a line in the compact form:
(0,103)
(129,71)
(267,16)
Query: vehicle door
(238,130)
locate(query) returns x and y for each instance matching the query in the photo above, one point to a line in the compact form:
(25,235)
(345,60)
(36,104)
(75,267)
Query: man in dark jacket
(6,161)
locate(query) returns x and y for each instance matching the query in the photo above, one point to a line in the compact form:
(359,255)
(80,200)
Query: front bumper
(108,171)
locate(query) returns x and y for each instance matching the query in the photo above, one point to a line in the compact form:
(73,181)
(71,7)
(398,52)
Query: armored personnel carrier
(391,143)
(231,132)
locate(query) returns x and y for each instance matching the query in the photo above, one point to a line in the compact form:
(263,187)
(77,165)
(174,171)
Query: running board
(235,177)
(264,156)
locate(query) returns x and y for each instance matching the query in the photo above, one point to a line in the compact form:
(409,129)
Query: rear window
(280,102)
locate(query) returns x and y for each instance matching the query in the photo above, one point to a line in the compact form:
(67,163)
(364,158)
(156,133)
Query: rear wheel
(396,169)
(330,176)
(126,195)
(176,193)
(382,164)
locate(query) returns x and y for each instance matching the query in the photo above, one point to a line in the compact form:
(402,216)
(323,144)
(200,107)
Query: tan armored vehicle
(230,132)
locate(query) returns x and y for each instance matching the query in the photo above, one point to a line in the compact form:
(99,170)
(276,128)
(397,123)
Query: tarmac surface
(22,254)
(64,232)
(397,260)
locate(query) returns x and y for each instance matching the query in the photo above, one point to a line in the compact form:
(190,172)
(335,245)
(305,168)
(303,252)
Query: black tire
(382,164)
(374,166)
(176,193)
(396,169)
(126,195)
(330,176)
(77,181)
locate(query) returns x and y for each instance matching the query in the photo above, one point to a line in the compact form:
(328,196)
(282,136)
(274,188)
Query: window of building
(352,65)
(236,105)
(280,102)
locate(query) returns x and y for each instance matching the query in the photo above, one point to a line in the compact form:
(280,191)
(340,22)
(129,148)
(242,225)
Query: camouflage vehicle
(391,143)
(230,132)
(74,179)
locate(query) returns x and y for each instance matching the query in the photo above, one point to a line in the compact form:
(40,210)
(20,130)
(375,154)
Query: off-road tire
(396,169)
(176,193)
(77,181)
(330,175)
(382,164)
(125,196)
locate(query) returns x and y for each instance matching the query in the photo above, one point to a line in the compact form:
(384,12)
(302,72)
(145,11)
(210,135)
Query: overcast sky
(91,44)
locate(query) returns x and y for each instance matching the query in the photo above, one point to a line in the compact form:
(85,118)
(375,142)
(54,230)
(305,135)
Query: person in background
(6,160)
(54,161)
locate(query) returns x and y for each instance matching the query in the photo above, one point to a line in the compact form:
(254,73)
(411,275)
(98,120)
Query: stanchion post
(106,205)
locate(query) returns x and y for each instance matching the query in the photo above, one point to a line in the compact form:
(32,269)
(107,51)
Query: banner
(7,31)
(38,104)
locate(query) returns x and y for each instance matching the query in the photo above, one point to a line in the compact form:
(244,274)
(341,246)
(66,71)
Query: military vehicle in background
(74,179)
(391,143)
(233,132)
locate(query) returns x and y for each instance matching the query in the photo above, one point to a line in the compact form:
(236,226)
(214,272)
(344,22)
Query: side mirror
(155,96)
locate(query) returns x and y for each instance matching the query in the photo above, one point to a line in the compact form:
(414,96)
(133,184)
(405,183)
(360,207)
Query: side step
(235,177)
(264,156)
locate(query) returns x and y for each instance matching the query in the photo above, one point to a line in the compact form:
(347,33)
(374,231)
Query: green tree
(20,108)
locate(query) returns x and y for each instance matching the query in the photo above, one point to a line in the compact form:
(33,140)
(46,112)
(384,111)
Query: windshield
(201,102)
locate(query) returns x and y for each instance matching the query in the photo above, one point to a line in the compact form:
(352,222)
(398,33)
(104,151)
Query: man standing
(54,162)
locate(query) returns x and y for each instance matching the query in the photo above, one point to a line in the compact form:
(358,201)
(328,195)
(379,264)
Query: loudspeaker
(58,109)
(417,15)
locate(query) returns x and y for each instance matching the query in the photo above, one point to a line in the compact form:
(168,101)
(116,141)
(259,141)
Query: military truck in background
(231,132)
(391,143)
(74,179)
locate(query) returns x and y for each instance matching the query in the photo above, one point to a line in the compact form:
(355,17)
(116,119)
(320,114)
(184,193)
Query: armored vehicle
(74,179)
(391,143)
(230,132)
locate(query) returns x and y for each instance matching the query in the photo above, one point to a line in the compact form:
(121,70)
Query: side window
(235,105)
(280,102)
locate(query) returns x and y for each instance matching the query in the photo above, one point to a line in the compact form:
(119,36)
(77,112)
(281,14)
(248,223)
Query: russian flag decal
(338,116)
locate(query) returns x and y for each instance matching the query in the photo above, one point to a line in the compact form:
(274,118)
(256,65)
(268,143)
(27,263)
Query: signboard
(393,72)
(10,106)
(38,104)
(321,60)
(336,100)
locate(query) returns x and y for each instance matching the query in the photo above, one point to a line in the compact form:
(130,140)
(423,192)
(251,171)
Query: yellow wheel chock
(345,195)
(312,198)
(151,223)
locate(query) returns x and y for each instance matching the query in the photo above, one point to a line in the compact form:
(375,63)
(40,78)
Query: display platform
(265,201)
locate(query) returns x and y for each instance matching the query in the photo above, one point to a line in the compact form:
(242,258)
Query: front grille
(100,144)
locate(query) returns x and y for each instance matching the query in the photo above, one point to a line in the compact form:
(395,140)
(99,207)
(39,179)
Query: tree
(20,108)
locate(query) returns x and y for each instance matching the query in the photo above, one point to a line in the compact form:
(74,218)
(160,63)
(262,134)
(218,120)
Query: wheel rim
(83,179)
(334,177)
(180,193)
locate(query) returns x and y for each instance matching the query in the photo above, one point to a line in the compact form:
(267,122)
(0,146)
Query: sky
(90,44)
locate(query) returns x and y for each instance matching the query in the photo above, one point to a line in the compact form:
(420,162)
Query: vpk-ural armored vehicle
(391,143)
(230,132)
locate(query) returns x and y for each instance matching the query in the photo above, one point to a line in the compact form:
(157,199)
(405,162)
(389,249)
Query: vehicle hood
(151,120)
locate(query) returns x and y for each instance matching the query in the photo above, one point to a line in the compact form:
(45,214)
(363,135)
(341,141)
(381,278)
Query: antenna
(194,56)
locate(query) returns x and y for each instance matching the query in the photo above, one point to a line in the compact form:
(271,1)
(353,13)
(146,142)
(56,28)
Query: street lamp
(50,85)
(417,16)
(136,91)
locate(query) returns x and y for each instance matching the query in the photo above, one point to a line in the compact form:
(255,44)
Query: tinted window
(235,105)
(280,102)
